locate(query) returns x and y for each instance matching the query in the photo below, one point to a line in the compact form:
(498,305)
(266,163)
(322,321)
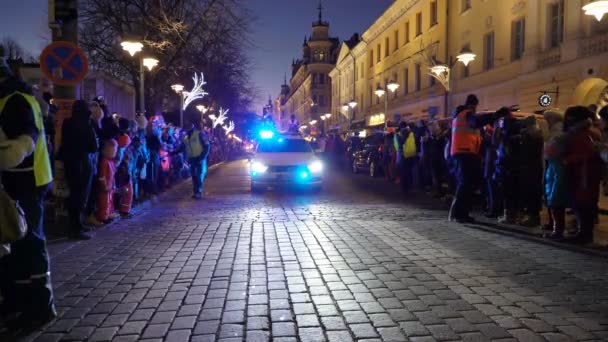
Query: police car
(285,160)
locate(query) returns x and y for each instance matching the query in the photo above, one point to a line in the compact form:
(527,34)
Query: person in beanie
(197,149)
(25,274)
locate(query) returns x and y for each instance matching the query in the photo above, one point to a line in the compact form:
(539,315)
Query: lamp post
(325,117)
(392,87)
(133,47)
(347,107)
(179,89)
(443,72)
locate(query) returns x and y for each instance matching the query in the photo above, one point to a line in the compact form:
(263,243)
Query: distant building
(308,94)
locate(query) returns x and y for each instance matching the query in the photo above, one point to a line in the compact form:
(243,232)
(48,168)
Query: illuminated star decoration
(229,128)
(197,91)
(221,118)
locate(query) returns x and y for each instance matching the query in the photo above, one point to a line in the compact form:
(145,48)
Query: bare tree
(186,36)
(14,51)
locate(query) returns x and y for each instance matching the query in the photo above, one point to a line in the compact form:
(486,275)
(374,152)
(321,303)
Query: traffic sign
(64,63)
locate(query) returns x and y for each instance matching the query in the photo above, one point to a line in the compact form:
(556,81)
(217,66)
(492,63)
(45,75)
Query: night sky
(277,33)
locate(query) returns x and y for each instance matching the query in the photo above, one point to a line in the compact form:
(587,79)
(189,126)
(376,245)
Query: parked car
(369,156)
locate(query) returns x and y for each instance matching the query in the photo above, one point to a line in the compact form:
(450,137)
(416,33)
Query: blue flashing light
(304,175)
(266,134)
(280,140)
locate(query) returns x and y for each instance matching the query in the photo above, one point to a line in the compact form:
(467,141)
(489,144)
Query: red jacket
(585,168)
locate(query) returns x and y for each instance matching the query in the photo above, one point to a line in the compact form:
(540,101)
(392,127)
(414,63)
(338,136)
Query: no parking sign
(64,63)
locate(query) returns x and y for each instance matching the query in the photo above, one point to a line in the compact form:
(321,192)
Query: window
(417,78)
(407,32)
(488,51)
(377,97)
(362,69)
(371,95)
(433,13)
(406,78)
(418,24)
(314,79)
(518,31)
(386,47)
(556,23)
(321,78)
(465,5)
(322,100)
(396,34)
(371,58)
(378,52)
(314,99)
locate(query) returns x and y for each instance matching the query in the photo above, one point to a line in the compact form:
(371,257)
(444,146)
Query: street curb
(144,206)
(519,234)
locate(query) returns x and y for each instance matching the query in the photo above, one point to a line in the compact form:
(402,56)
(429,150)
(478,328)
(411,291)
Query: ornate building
(308,94)
(523,49)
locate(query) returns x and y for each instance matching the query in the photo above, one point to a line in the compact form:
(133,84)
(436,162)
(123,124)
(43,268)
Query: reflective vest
(42,163)
(409,146)
(465,139)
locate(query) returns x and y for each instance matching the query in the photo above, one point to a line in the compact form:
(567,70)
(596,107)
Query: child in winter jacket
(107,171)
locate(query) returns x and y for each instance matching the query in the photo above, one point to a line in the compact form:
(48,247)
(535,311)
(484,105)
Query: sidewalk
(56,226)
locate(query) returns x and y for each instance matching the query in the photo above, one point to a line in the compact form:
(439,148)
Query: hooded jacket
(18,132)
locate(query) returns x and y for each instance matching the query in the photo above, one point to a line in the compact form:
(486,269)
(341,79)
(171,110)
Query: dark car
(369,155)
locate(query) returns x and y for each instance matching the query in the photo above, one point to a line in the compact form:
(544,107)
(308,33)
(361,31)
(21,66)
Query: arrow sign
(64,63)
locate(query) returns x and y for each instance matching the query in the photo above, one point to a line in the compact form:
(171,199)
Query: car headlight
(316,166)
(258,167)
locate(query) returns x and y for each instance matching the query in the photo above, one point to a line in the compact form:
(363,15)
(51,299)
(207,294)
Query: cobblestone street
(346,264)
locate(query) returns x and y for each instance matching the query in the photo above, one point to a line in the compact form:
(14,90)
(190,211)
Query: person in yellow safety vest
(405,145)
(25,282)
(465,146)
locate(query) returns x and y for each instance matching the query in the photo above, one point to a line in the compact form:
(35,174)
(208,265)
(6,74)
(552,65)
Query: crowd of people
(101,166)
(513,165)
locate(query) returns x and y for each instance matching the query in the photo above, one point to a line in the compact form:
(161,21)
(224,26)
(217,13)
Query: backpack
(194,147)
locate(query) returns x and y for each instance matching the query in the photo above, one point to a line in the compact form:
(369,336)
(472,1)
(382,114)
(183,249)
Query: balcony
(548,58)
(593,45)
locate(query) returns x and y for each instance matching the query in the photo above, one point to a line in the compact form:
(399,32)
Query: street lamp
(150,63)
(596,9)
(392,87)
(466,56)
(179,89)
(133,47)
(347,107)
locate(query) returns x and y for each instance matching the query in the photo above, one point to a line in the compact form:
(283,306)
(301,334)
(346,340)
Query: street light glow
(313,122)
(345,106)
(202,108)
(328,115)
(439,69)
(150,63)
(380,92)
(352,104)
(132,47)
(393,86)
(178,88)
(466,56)
(596,9)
